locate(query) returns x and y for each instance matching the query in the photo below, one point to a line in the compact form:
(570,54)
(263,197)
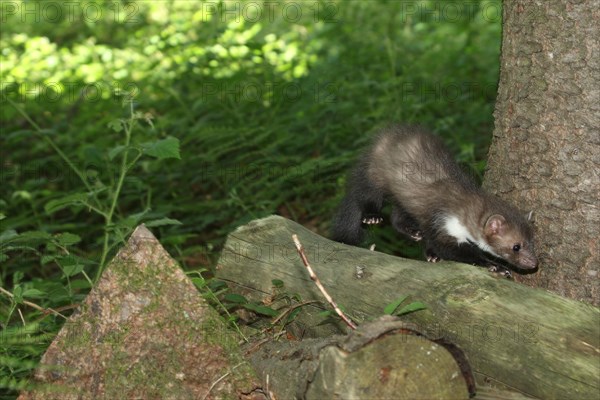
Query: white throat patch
(457,230)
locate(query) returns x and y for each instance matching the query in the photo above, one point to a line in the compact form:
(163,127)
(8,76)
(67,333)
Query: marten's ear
(529,217)
(495,225)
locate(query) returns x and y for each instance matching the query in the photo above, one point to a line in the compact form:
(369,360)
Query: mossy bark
(144,332)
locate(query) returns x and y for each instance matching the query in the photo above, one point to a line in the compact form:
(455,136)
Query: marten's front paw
(500,271)
(431,256)
(372,220)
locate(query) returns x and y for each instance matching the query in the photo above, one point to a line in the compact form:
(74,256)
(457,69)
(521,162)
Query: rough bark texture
(383,359)
(144,332)
(545,154)
(514,336)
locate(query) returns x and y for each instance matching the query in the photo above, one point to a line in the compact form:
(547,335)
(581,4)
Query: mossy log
(514,336)
(383,359)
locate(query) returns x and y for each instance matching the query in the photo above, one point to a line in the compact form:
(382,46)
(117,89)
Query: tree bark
(383,359)
(533,341)
(545,154)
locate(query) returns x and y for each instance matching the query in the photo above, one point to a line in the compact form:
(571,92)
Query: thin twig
(256,345)
(33,305)
(219,380)
(21,315)
(290,309)
(317,282)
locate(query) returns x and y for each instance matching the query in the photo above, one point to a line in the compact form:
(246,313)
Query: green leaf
(45,259)
(67,239)
(71,265)
(165,148)
(116,125)
(18,294)
(80,284)
(293,315)
(326,313)
(115,151)
(199,282)
(8,235)
(215,285)
(235,298)
(72,269)
(390,308)
(132,220)
(162,221)
(22,194)
(412,307)
(26,241)
(278,283)
(297,297)
(264,310)
(33,293)
(17,277)
(34,235)
(58,204)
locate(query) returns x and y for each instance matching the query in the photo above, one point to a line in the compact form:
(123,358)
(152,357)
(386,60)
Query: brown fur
(414,169)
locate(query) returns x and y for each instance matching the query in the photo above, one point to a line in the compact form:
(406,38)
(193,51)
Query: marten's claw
(372,220)
(416,235)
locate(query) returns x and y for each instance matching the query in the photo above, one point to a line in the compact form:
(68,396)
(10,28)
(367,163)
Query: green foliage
(20,346)
(282,310)
(246,116)
(393,307)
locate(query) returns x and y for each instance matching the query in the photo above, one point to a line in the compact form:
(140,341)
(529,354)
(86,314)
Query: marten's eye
(516,247)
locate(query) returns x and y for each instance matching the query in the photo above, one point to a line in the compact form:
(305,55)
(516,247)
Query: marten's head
(512,240)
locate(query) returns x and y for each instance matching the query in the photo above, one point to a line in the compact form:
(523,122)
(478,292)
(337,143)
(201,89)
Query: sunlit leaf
(33,293)
(67,239)
(412,307)
(390,308)
(165,148)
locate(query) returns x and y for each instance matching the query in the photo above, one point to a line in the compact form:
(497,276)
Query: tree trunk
(545,154)
(505,328)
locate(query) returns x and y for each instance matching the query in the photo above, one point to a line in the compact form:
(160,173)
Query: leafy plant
(394,307)
(96,195)
(269,113)
(233,299)
(288,306)
(101,197)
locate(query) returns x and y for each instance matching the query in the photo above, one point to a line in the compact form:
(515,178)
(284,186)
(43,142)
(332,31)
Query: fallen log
(384,359)
(515,337)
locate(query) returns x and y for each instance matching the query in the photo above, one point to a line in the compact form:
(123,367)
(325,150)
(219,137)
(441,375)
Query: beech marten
(433,199)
